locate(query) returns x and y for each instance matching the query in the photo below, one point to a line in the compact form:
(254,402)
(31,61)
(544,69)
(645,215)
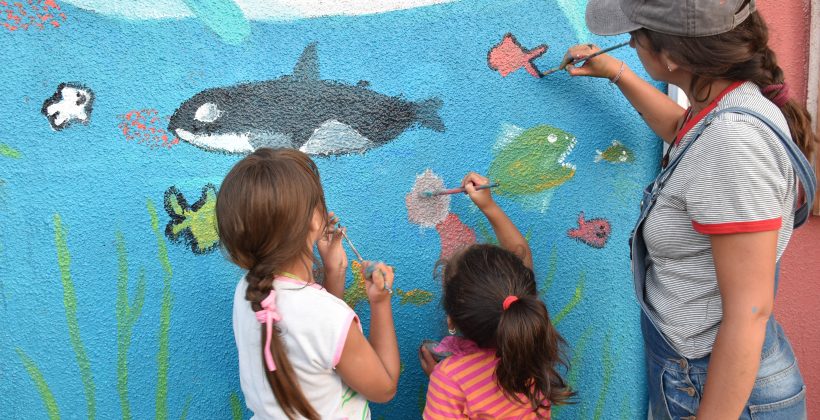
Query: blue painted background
(100,184)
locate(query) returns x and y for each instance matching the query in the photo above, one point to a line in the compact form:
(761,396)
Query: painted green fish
(417,297)
(533,161)
(196,224)
(357,291)
(616,153)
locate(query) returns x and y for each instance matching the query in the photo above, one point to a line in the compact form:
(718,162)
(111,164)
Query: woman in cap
(706,248)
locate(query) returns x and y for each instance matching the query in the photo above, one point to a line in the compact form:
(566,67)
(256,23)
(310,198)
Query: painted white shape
(252,9)
(207,112)
(229,143)
(67,109)
(552,138)
(334,137)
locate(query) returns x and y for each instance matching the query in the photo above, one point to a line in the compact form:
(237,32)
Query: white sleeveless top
(314,328)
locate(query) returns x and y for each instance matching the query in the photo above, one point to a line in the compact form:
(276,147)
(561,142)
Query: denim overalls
(675,382)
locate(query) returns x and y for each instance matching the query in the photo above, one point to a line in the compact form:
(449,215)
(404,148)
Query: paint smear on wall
(455,235)
(24,14)
(73,102)
(252,9)
(427,211)
(508,56)
(195,224)
(299,111)
(146,126)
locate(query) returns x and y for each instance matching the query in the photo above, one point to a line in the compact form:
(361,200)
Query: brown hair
(740,54)
(476,282)
(264,211)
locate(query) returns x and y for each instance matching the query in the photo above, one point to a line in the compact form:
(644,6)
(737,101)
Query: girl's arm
(745,264)
(659,111)
(371,368)
(509,237)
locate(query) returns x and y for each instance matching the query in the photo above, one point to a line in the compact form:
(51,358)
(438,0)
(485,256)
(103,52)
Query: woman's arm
(745,265)
(659,111)
(372,367)
(509,237)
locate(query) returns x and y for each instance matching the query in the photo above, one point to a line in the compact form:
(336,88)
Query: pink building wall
(797,305)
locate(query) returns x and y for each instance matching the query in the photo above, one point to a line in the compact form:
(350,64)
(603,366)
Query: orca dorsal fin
(308,65)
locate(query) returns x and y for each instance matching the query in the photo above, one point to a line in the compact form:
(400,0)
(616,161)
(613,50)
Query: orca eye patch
(207,113)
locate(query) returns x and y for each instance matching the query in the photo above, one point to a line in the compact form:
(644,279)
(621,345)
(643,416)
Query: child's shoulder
(464,353)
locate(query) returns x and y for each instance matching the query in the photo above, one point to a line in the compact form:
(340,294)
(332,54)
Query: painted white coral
(252,9)
(72,107)
(427,211)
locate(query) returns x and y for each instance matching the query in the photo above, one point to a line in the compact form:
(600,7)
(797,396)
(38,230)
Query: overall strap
(801,165)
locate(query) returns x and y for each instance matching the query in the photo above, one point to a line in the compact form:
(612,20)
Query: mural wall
(122,118)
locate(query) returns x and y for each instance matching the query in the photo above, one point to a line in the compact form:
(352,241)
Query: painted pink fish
(509,56)
(593,232)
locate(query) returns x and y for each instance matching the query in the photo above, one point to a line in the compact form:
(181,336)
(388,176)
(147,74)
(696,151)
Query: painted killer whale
(300,111)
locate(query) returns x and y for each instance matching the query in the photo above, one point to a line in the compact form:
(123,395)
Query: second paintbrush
(428,194)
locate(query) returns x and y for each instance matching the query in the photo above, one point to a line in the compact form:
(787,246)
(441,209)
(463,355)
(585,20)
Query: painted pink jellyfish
(429,212)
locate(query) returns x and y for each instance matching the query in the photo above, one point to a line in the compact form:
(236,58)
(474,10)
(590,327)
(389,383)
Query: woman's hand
(604,65)
(483,199)
(379,283)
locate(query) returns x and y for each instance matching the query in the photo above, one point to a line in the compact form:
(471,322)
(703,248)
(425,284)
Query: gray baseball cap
(691,18)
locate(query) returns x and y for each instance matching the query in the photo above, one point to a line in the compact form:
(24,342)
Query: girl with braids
(301,350)
(714,224)
(505,363)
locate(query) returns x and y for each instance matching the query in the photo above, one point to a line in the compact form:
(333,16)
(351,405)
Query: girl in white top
(301,350)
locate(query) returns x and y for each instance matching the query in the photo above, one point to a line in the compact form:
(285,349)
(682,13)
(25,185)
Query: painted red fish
(23,14)
(146,126)
(593,232)
(509,56)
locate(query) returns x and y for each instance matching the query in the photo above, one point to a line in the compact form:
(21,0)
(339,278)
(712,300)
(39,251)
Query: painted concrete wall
(799,292)
(121,119)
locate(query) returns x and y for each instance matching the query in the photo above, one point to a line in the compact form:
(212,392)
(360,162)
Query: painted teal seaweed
(576,299)
(551,273)
(572,376)
(127,315)
(186,407)
(626,408)
(164,317)
(70,303)
(42,386)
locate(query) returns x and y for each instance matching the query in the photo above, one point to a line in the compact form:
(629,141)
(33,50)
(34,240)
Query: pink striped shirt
(463,386)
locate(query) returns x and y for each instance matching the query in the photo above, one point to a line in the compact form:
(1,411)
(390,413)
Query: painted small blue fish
(299,111)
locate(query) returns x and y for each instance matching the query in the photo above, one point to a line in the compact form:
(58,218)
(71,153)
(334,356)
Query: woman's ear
(668,62)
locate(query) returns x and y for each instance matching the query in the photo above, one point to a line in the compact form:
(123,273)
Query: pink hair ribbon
(782,95)
(509,301)
(268,316)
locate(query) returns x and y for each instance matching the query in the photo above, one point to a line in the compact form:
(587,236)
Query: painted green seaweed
(416,297)
(609,368)
(164,317)
(572,376)
(127,315)
(551,273)
(576,299)
(70,303)
(45,392)
(236,407)
(8,152)
(626,408)
(186,407)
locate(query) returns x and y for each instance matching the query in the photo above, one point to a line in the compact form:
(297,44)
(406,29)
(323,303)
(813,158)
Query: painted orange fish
(508,56)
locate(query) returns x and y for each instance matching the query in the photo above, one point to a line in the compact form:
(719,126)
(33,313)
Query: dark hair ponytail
(740,54)
(476,283)
(529,350)
(264,211)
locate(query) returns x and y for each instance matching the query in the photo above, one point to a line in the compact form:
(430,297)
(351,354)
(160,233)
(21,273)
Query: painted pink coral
(145,126)
(509,56)
(427,211)
(22,15)
(455,235)
(593,232)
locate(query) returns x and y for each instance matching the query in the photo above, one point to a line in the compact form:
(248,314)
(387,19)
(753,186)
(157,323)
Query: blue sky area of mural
(99,182)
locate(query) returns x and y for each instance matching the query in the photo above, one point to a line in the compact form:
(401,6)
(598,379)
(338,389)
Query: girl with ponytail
(734,184)
(505,364)
(302,354)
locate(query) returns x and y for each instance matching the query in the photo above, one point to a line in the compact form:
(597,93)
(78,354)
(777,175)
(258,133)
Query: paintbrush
(567,61)
(370,267)
(428,194)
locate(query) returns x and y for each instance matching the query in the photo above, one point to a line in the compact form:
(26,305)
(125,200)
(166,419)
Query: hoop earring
(669,68)
(452,331)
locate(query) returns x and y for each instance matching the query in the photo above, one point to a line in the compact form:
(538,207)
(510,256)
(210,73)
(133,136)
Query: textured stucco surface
(788,23)
(96,245)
